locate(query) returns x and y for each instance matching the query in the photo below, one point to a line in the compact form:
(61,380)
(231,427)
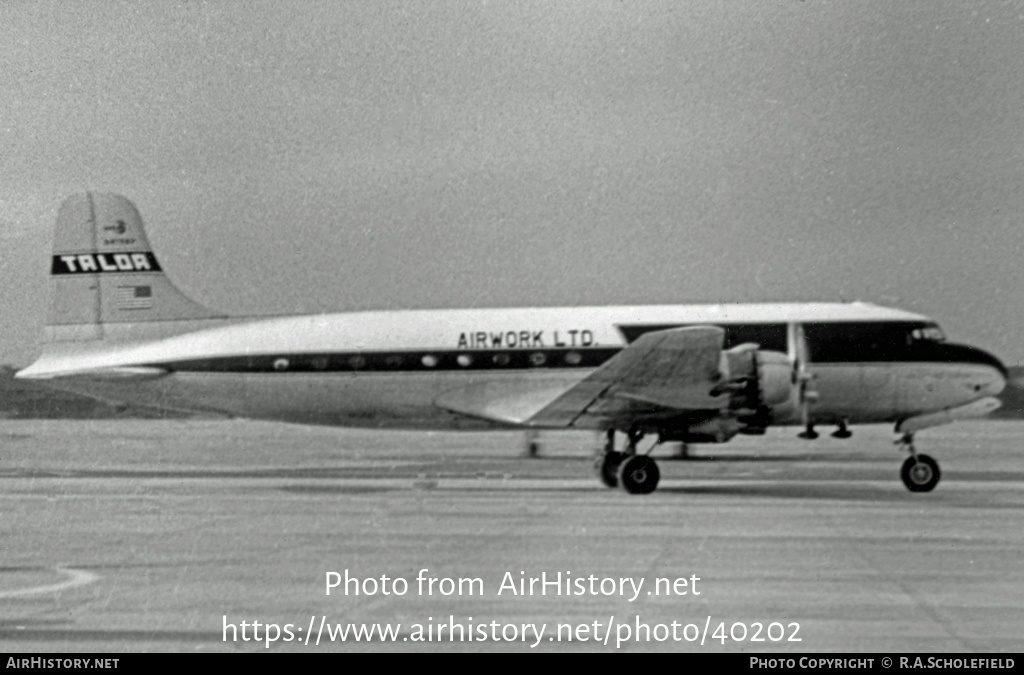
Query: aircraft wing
(661,373)
(672,369)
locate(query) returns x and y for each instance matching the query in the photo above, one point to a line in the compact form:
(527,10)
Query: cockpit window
(930,333)
(867,341)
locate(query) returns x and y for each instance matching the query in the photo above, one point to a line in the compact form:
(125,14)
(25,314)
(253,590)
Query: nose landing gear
(920,473)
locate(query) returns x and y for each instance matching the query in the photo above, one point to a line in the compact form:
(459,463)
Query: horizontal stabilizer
(126,373)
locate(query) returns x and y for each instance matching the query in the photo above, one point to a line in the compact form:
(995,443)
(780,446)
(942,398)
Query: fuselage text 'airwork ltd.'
(525,339)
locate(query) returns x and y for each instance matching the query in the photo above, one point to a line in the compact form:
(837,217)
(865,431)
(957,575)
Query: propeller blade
(796,345)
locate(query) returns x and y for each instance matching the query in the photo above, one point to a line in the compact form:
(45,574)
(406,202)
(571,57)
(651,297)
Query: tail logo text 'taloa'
(100,263)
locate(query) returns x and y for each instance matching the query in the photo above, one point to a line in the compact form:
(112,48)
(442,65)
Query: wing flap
(503,402)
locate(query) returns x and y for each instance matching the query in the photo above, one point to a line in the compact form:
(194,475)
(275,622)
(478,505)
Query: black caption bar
(822,662)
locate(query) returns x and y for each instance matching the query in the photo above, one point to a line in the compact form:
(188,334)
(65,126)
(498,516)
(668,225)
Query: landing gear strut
(808,434)
(637,474)
(842,431)
(606,464)
(920,473)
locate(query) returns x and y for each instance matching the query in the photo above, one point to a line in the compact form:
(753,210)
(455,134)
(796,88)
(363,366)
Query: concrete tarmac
(142,536)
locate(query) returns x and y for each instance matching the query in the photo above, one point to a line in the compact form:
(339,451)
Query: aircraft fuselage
(389,369)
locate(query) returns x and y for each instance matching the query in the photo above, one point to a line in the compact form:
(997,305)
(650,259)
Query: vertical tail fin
(105,281)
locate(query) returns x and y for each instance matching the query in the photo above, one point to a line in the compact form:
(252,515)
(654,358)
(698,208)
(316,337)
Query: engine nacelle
(756,382)
(774,379)
(757,379)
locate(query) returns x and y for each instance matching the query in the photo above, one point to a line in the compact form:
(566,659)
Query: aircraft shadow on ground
(830,491)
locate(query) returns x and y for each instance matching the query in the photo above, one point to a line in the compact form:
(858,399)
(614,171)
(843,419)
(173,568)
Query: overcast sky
(308,157)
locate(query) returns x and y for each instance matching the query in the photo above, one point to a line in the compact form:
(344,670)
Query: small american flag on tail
(134,297)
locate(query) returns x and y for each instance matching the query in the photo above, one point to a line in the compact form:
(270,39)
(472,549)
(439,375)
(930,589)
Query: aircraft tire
(607,468)
(639,475)
(920,474)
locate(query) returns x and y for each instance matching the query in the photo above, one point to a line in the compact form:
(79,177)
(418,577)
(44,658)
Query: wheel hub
(921,473)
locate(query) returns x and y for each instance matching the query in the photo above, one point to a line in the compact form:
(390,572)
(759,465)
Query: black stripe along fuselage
(829,343)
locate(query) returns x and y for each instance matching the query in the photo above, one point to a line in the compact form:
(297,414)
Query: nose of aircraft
(999,374)
(998,383)
(1001,383)
(987,382)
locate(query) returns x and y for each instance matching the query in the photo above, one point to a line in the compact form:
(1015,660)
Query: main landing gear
(636,474)
(920,473)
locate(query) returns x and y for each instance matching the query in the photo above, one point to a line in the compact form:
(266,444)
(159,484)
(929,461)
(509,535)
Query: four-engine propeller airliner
(118,328)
